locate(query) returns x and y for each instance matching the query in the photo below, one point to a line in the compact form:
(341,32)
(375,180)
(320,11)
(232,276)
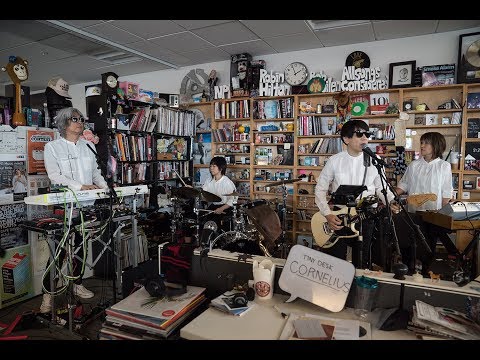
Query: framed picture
(401,74)
(469,58)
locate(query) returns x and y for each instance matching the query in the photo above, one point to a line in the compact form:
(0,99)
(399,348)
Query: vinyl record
(473,54)
(359,108)
(316,85)
(358,59)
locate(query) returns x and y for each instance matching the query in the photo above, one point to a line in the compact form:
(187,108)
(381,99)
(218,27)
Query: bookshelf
(272,120)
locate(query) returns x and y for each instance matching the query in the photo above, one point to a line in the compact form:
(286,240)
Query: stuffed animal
(18,72)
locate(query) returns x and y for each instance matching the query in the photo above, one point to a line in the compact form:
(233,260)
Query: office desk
(264,322)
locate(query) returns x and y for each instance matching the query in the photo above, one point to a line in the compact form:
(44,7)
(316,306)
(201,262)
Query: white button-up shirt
(220,188)
(434,177)
(344,169)
(72,164)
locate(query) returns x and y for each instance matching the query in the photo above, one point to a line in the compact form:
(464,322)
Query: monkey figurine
(18,72)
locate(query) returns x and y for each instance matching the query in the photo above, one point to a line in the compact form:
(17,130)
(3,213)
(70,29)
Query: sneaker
(46,306)
(81,291)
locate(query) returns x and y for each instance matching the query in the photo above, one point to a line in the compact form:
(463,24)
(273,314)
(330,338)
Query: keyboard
(462,210)
(83,195)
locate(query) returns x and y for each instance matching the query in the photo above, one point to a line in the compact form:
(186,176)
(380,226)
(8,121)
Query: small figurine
(434,277)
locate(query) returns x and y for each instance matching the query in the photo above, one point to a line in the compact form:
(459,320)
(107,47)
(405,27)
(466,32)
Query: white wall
(426,50)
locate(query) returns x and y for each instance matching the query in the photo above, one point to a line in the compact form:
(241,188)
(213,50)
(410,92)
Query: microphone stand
(113,195)
(419,237)
(101,165)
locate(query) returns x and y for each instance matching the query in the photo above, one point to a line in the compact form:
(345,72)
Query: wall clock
(109,83)
(358,59)
(295,73)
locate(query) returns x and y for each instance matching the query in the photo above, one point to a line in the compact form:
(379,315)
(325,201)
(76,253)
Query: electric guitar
(420,199)
(326,237)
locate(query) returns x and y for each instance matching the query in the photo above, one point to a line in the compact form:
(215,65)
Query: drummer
(220,185)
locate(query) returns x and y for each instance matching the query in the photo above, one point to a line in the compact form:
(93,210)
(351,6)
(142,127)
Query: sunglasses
(78,119)
(361,133)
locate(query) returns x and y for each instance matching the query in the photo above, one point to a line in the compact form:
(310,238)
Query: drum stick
(183,182)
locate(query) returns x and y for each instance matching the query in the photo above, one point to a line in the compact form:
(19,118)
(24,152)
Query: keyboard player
(70,162)
(429,174)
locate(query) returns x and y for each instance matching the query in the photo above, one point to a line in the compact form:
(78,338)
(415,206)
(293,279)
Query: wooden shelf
(426,127)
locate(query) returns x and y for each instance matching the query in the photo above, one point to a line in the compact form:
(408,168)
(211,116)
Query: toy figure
(18,72)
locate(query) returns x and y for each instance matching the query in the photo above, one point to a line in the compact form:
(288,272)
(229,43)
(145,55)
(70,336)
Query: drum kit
(249,226)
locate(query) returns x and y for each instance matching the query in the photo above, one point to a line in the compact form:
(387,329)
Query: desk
(462,228)
(263,322)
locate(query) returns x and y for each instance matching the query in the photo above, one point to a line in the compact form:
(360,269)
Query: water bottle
(47,116)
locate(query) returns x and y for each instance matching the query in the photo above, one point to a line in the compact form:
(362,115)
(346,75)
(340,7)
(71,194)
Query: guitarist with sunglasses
(431,178)
(351,167)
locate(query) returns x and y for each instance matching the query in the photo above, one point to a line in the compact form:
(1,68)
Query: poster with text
(13,182)
(35,147)
(11,233)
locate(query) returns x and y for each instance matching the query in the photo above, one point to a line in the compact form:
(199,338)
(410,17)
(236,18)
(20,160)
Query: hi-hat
(281,182)
(192,193)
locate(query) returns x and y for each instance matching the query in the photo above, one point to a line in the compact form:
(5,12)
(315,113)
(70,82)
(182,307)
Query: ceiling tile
(74,44)
(82,23)
(148,28)
(452,25)
(206,55)
(254,48)
(197,24)
(154,50)
(36,53)
(393,29)
(182,42)
(228,33)
(294,42)
(346,35)
(137,67)
(30,29)
(270,28)
(113,33)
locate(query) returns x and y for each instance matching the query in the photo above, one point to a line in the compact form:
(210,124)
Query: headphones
(156,288)
(241,299)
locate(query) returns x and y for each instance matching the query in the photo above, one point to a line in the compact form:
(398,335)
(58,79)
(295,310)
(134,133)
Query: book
(450,322)
(473,101)
(224,303)
(379,103)
(473,128)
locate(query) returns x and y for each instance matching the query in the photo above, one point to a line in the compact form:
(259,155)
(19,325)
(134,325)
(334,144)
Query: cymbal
(192,193)
(233,194)
(281,182)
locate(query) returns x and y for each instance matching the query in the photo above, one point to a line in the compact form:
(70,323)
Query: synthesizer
(462,210)
(83,195)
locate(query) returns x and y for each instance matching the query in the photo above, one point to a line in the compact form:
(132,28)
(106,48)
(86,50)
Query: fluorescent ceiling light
(108,42)
(330,24)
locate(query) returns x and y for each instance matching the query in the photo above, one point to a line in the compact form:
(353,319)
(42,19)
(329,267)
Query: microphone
(370,153)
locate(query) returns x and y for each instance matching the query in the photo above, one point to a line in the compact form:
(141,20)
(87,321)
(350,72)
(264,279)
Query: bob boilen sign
(357,79)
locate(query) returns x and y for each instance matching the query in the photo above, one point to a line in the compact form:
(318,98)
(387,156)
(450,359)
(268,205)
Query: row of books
(316,125)
(232,110)
(132,148)
(132,173)
(273,109)
(142,317)
(175,122)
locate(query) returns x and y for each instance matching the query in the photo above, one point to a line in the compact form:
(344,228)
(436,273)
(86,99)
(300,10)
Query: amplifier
(462,210)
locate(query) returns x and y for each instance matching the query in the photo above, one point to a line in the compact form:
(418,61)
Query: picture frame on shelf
(469,58)
(401,74)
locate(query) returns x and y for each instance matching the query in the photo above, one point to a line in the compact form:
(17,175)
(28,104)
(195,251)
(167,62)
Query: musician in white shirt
(429,174)
(70,162)
(348,168)
(219,185)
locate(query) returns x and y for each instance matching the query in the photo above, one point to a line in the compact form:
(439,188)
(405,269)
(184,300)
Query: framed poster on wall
(469,58)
